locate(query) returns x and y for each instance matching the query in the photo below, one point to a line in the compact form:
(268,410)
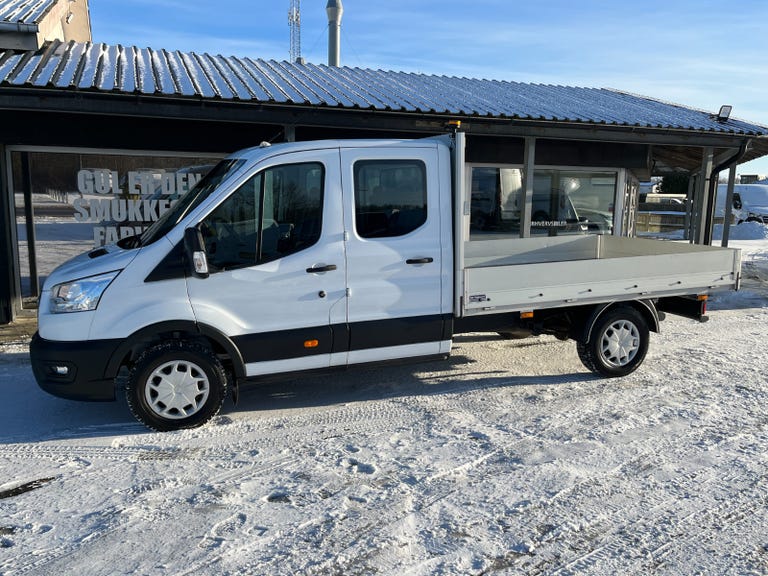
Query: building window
(68,201)
(563,202)
(497,201)
(573,202)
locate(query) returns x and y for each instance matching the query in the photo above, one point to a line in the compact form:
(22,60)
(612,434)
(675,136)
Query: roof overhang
(21,27)
(673,149)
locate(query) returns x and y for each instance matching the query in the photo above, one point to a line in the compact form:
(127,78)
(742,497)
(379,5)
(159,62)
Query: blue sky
(700,53)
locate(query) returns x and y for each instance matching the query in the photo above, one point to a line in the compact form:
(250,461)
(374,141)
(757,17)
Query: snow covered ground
(508,458)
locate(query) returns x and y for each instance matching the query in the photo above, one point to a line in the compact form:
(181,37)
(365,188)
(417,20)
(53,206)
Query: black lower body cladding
(74,370)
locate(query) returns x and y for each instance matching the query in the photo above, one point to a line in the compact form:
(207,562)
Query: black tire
(175,385)
(618,343)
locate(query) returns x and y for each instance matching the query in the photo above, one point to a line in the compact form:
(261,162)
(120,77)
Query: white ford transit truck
(318,255)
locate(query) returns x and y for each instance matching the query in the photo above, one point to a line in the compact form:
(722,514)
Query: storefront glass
(68,202)
(573,202)
(563,202)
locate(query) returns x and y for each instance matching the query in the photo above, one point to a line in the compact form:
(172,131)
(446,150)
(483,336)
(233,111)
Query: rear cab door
(397,220)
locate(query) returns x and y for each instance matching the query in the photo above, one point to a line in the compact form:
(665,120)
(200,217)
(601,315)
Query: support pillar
(701,234)
(728,212)
(529,166)
(7,220)
(29,217)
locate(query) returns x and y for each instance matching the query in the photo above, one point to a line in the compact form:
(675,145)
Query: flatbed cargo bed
(548,272)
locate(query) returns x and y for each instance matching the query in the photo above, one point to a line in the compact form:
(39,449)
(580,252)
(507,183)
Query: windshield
(191,200)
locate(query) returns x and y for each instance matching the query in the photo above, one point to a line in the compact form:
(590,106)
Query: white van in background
(750,202)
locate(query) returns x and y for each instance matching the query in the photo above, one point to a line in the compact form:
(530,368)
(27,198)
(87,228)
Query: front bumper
(74,370)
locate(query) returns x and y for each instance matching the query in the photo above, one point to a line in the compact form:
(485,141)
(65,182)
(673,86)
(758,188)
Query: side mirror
(194,248)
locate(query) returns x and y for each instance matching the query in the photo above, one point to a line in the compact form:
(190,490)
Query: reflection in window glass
(592,197)
(570,202)
(231,230)
(292,213)
(497,202)
(552,211)
(275,213)
(563,202)
(390,197)
(71,202)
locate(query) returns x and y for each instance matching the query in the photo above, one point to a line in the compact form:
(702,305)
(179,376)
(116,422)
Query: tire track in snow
(352,472)
(283,436)
(275,436)
(594,397)
(655,511)
(122,518)
(627,551)
(690,484)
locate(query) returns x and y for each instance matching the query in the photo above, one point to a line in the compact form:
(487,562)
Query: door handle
(419,260)
(317,269)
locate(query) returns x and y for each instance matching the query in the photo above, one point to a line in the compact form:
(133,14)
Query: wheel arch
(646,308)
(178,329)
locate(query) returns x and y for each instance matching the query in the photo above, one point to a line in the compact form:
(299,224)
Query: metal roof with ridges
(145,71)
(24,11)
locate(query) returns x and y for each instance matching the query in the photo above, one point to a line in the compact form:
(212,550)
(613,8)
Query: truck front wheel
(618,343)
(175,385)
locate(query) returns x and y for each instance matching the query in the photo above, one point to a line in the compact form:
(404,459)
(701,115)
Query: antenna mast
(294,22)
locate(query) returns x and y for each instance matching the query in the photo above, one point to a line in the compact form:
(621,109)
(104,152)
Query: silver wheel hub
(177,389)
(620,343)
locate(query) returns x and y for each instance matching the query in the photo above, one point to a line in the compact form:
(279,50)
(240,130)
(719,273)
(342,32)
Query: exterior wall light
(724,113)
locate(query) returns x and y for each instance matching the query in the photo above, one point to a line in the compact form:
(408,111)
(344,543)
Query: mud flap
(693,307)
(235,383)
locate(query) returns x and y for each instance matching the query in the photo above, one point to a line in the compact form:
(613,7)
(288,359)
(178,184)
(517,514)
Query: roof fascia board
(19,27)
(628,134)
(90,103)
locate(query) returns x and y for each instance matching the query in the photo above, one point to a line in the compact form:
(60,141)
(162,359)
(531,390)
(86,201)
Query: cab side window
(276,212)
(390,197)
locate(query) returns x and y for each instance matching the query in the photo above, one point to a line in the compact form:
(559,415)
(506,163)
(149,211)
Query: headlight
(80,295)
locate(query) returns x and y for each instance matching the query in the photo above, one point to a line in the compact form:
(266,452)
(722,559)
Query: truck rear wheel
(176,385)
(618,343)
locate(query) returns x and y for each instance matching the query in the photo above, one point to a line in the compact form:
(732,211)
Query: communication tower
(294,22)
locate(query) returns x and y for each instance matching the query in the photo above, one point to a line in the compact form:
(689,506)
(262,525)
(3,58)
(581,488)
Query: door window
(390,197)
(276,212)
